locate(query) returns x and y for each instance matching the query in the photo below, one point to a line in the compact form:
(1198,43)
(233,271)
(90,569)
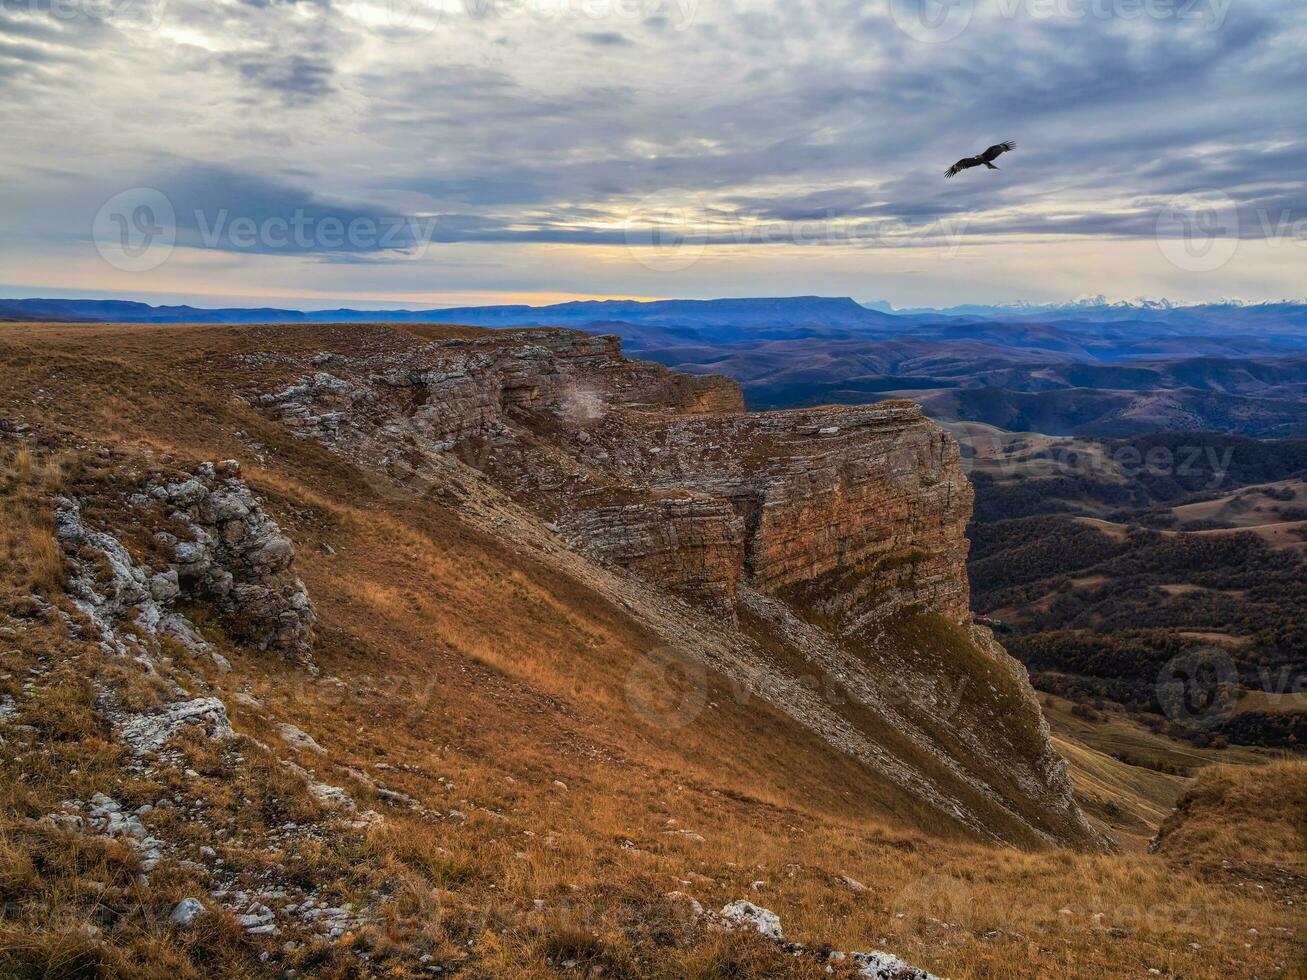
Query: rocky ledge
(827,540)
(228,552)
(238,558)
(857,511)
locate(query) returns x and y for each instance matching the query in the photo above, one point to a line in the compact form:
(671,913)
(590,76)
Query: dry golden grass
(1254,816)
(30,559)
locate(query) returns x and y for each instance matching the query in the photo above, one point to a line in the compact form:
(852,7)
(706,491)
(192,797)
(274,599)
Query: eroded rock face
(128,604)
(692,543)
(238,559)
(795,538)
(232,554)
(859,511)
(443,392)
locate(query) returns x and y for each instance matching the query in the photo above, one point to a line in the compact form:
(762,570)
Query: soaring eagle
(985,159)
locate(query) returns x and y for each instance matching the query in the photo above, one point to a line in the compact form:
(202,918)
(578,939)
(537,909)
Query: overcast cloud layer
(455,151)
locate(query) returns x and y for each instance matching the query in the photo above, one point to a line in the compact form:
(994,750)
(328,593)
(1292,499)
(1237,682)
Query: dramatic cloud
(744,131)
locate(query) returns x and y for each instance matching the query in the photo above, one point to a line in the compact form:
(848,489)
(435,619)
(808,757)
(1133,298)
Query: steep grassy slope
(489,695)
(1257,818)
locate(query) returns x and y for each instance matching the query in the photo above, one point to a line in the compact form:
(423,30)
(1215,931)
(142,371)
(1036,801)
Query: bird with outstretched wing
(985,159)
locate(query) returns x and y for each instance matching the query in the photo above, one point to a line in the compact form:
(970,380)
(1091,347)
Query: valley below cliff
(355,650)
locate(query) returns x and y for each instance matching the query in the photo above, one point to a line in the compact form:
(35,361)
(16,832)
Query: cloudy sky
(450,152)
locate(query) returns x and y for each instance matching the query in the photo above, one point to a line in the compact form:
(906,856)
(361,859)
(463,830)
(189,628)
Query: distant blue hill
(793,312)
(662,323)
(641,325)
(1201,318)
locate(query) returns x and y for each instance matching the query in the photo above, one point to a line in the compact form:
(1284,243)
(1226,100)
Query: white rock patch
(766,922)
(300,739)
(186,912)
(148,733)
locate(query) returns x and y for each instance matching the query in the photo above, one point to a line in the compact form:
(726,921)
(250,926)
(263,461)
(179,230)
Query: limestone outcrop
(859,511)
(693,543)
(237,557)
(230,553)
(793,551)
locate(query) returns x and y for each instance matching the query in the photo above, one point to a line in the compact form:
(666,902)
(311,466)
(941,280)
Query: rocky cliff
(857,511)
(822,541)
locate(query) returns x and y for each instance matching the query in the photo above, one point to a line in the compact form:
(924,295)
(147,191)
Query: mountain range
(1089,368)
(723,318)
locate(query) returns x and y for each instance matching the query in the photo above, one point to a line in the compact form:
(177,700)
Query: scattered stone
(766,922)
(186,912)
(105,816)
(148,733)
(396,798)
(886,966)
(689,835)
(696,910)
(258,921)
(300,739)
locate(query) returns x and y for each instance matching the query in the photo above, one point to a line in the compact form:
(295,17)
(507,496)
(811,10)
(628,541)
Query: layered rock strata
(859,511)
(782,544)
